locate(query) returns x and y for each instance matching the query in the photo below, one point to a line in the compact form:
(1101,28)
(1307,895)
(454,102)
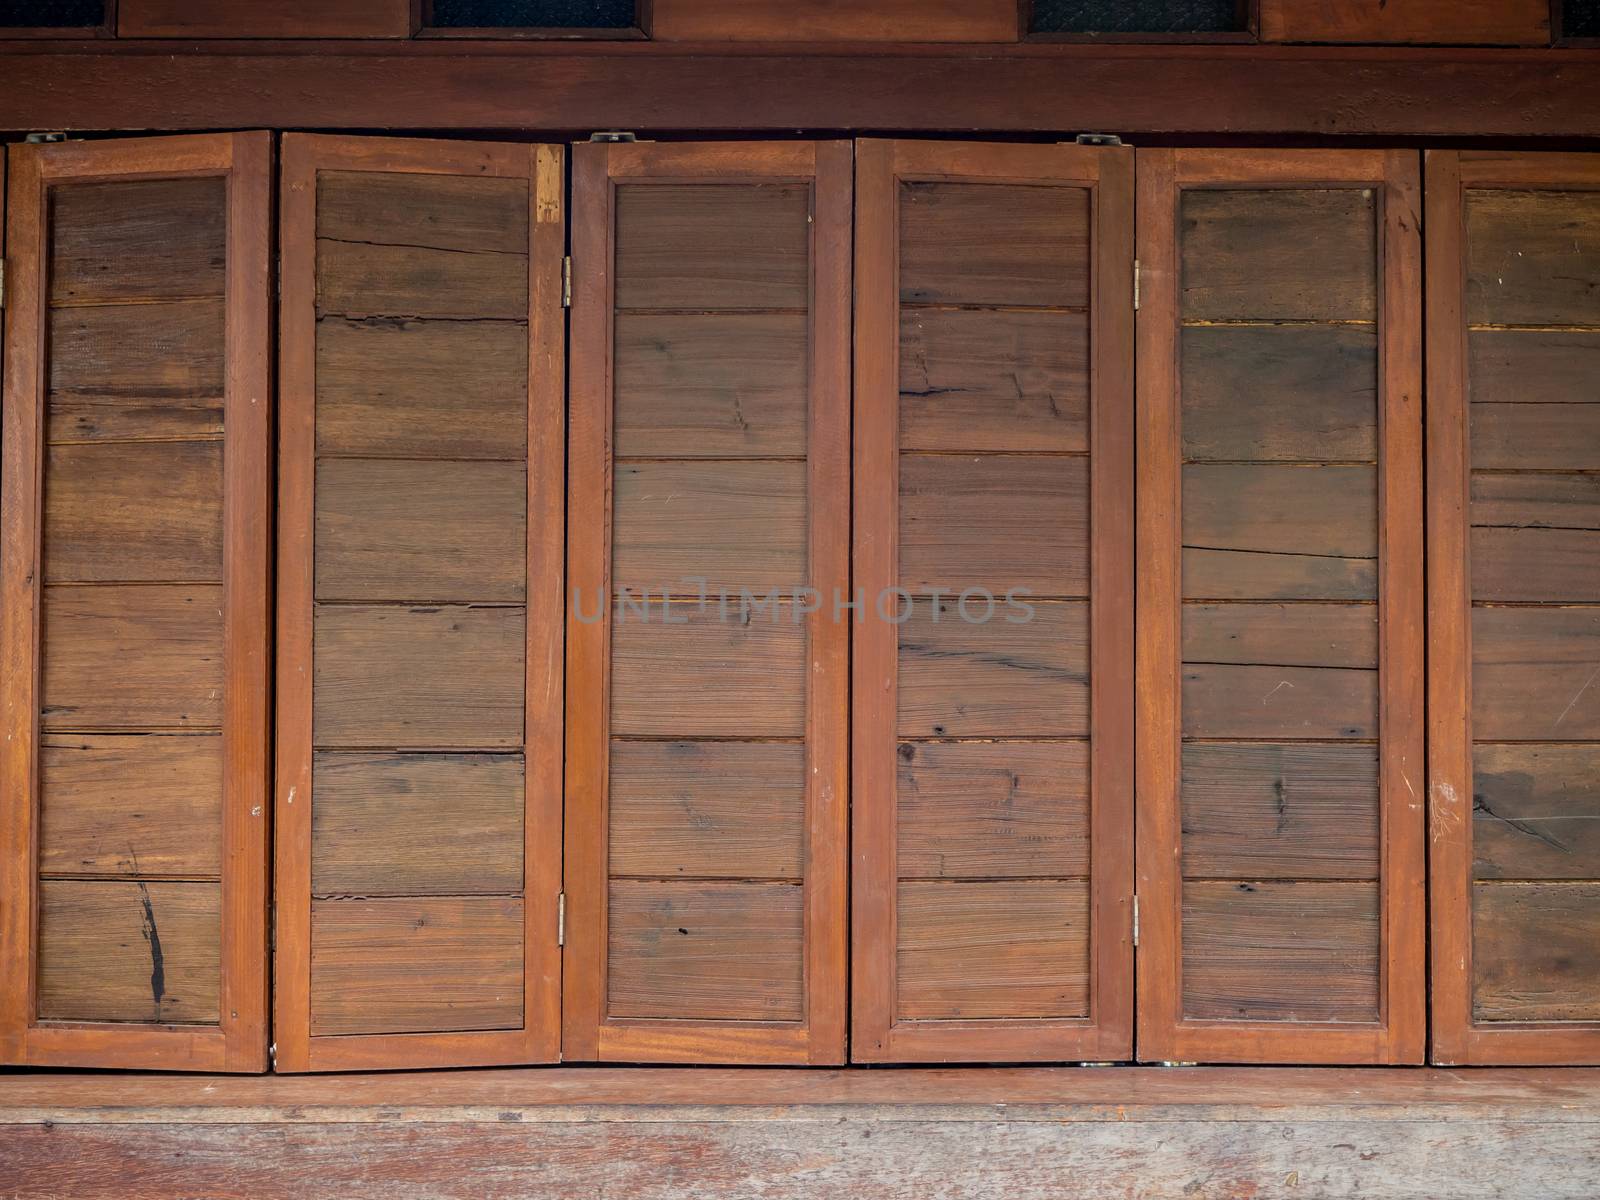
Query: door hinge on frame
(566,282)
(1136,285)
(1097,139)
(1136,919)
(614,137)
(561,918)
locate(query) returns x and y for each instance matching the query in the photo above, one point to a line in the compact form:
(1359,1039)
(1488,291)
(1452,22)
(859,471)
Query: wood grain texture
(148,805)
(994,244)
(711,246)
(1461,22)
(407,965)
(681,670)
(421,389)
(368,281)
(1301,254)
(1533,951)
(236,19)
(1281,635)
(993,379)
(118,361)
(113,950)
(418,678)
(1532,366)
(1548,565)
(982,951)
(1291,952)
(835,21)
(1282,393)
(733,524)
(477,214)
(1532,671)
(151,239)
(704,385)
(166,642)
(705,951)
(1280,811)
(416,824)
(707,810)
(1532,257)
(1538,437)
(435,532)
(992,810)
(996,522)
(134,513)
(1536,811)
(1002,678)
(1231,701)
(1535,501)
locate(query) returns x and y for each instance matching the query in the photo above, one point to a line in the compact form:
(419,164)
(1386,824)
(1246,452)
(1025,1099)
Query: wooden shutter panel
(1514,621)
(708,536)
(420,581)
(135,566)
(1280,645)
(992,805)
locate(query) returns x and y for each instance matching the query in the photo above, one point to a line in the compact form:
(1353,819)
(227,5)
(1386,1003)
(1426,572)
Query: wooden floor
(710,1134)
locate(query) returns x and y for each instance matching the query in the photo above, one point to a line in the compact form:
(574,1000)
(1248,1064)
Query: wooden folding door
(707,656)
(1514,620)
(1280,846)
(134,585)
(993,703)
(419,604)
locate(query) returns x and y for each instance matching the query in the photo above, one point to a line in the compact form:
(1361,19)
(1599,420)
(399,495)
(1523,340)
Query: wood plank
(133,513)
(1281,635)
(712,246)
(703,385)
(478,214)
(733,524)
(1539,437)
(414,965)
(1292,811)
(985,379)
(132,657)
(835,21)
(1436,22)
(683,671)
(979,951)
(706,951)
(359,280)
(1289,254)
(994,244)
(1289,952)
(143,368)
(416,824)
(1536,812)
(420,678)
(137,240)
(114,950)
(1028,678)
(1533,257)
(146,805)
(998,522)
(707,810)
(1279,532)
(1553,565)
(432,532)
(992,810)
(1285,393)
(281,19)
(1231,701)
(1533,951)
(1532,674)
(1536,501)
(1533,366)
(422,389)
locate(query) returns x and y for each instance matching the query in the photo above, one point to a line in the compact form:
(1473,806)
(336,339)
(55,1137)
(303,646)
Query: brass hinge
(566,282)
(1136,919)
(1136,285)
(561,919)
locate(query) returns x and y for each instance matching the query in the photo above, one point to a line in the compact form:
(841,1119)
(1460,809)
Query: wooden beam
(1132,90)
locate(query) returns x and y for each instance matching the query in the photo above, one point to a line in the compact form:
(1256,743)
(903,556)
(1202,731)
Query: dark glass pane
(1580,18)
(1137,16)
(51,14)
(534,14)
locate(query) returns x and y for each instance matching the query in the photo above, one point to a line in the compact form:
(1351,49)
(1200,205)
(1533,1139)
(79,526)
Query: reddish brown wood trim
(442,84)
(238,1043)
(245,19)
(836,20)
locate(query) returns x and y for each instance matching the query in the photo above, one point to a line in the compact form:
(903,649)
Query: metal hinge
(1136,285)
(613,136)
(45,139)
(272,1054)
(561,919)
(1135,920)
(1169,1062)
(1097,139)
(566,282)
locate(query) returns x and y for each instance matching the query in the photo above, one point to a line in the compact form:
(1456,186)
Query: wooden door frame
(1400,1034)
(537,1041)
(1457,1038)
(587,1032)
(239,1041)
